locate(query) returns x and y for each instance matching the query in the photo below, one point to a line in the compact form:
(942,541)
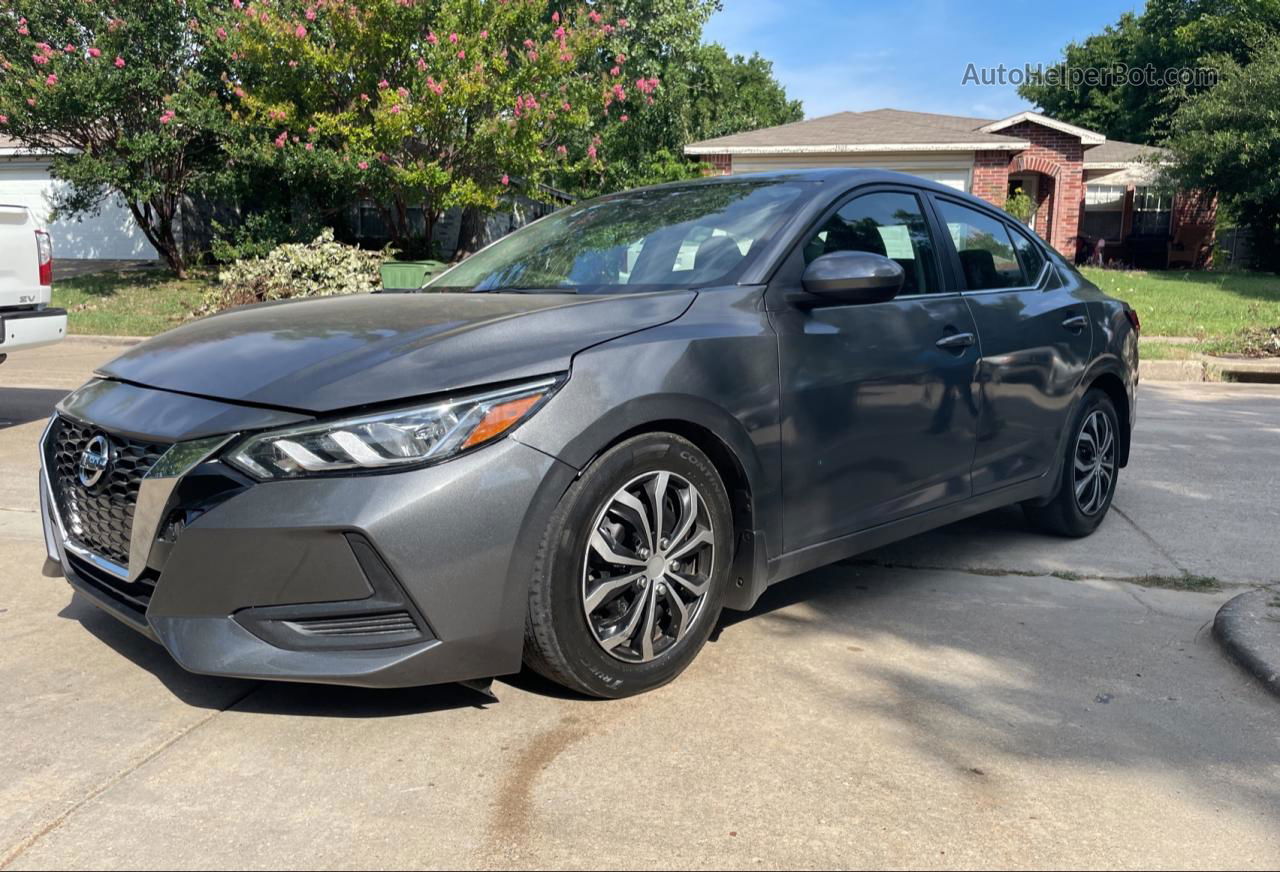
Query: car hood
(340,352)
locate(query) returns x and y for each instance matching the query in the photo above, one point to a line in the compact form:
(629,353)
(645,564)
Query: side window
(1030,256)
(986,251)
(886,223)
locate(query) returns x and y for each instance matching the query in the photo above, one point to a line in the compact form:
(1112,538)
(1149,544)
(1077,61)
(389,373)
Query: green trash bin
(408,275)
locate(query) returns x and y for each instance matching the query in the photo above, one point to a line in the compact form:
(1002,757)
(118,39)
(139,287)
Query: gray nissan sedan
(575,448)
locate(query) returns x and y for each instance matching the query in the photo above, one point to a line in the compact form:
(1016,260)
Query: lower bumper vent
(393,624)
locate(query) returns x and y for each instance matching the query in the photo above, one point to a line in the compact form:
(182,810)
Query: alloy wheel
(1095,462)
(648,566)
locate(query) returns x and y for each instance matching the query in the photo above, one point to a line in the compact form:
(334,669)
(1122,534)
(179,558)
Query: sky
(838,55)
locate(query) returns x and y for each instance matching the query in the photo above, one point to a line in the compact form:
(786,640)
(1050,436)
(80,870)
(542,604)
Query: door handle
(1076,323)
(956,340)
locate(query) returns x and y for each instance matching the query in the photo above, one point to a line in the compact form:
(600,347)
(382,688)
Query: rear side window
(1030,256)
(887,223)
(986,252)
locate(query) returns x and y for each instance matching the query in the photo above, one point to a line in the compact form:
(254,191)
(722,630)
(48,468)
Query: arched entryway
(1038,177)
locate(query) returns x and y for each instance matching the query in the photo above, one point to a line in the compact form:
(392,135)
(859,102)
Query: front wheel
(631,572)
(1089,471)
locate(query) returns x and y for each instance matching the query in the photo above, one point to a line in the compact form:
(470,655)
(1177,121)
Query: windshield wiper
(512,289)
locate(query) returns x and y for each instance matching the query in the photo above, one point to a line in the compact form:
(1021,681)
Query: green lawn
(137,302)
(1225,312)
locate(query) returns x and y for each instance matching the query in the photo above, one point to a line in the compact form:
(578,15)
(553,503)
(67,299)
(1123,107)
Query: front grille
(100,517)
(133,595)
(363,625)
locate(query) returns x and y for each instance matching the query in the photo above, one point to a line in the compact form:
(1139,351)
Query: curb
(1248,628)
(120,341)
(1210,369)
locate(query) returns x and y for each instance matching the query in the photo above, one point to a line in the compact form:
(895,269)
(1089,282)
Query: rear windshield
(678,237)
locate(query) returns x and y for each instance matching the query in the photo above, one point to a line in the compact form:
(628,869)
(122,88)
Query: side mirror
(853,277)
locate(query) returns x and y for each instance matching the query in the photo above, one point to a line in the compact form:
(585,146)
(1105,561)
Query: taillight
(1133,319)
(44,253)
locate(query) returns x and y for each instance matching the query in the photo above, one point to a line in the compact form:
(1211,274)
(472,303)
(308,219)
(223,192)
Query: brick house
(1085,187)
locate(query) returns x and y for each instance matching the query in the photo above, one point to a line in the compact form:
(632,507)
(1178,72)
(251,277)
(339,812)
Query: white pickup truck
(26,284)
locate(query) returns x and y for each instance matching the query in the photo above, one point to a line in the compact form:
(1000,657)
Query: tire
(1074,512)
(582,601)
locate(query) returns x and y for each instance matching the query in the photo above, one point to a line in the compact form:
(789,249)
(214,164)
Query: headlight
(386,440)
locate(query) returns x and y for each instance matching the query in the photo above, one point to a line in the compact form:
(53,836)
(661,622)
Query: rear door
(1036,341)
(878,412)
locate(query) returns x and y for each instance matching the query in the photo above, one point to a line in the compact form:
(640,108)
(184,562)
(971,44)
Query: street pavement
(946,702)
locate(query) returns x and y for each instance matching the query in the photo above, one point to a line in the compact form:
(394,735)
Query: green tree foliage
(1168,34)
(421,104)
(1227,139)
(121,93)
(704,93)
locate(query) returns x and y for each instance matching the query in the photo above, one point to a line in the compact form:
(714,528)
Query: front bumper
(391,580)
(31,329)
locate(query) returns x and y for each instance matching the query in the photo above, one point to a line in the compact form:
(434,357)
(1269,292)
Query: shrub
(320,268)
(257,235)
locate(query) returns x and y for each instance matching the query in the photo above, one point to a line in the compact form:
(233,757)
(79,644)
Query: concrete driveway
(946,702)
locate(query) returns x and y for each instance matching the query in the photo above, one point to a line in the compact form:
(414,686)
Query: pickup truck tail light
(44,252)
(1133,319)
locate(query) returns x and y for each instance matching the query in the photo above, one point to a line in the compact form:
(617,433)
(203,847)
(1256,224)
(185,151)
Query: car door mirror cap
(852,277)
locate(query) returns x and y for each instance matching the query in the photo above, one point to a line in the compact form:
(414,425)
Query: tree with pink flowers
(419,107)
(121,93)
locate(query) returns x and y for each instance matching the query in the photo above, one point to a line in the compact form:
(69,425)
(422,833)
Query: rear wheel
(1089,471)
(630,575)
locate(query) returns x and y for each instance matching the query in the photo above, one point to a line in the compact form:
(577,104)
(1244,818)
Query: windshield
(680,237)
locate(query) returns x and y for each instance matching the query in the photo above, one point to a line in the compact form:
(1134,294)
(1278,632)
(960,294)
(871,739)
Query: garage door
(951,171)
(112,233)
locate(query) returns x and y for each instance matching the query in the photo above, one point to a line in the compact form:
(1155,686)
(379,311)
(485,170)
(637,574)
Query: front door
(878,419)
(1036,343)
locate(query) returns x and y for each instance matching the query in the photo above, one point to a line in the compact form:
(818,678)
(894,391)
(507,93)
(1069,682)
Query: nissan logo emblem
(94,460)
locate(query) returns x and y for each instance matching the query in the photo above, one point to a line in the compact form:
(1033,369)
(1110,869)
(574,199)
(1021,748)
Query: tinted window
(1030,256)
(985,249)
(886,223)
(688,236)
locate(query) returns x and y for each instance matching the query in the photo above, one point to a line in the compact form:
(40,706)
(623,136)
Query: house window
(1103,211)
(1152,211)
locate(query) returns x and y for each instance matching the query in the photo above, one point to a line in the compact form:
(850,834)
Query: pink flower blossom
(403,92)
(4,119)
(310,147)
(31,101)
(594,16)
(484,34)
(566,57)
(166,116)
(222,33)
(119,62)
(364,164)
(453,38)
(311,131)
(300,32)
(591,152)
(432,38)
(383,85)
(559,33)
(236,3)
(437,88)
(22,29)
(565,106)
(239,92)
(533,55)
(506,180)
(462,55)
(422,65)
(561,150)
(39,59)
(528,43)
(282,139)
(615,71)
(623,23)
(555,16)
(69,48)
(311,13)
(623,118)
(395,109)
